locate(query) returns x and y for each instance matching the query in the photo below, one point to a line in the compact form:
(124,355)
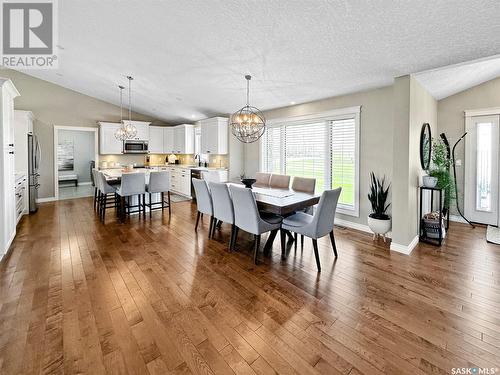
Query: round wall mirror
(425,146)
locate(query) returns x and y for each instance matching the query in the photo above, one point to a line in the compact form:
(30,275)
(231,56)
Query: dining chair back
(324,217)
(262,179)
(159,182)
(247,218)
(304,184)
(103,185)
(246,212)
(279,181)
(203,197)
(222,203)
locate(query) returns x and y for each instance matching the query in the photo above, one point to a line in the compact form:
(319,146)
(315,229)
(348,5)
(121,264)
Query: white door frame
(56,142)
(470,158)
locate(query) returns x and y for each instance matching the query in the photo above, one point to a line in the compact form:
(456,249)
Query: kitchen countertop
(183,166)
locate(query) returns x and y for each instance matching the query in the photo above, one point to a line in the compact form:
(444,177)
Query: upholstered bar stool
(132,184)
(159,182)
(105,190)
(96,187)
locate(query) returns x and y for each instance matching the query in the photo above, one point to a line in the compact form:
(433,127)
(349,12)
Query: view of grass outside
(342,175)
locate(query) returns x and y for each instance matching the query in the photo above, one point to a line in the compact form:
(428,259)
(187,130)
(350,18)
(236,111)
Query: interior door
(481,169)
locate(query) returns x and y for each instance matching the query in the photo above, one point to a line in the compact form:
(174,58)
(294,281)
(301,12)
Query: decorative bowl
(429,181)
(248,182)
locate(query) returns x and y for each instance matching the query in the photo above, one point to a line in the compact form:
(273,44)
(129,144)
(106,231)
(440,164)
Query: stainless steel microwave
(135,147)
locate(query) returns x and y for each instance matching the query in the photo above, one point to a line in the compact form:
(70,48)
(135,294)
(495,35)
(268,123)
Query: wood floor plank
(154,296)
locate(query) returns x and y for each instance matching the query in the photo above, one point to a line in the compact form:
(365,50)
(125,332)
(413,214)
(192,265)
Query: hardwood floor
(153,296)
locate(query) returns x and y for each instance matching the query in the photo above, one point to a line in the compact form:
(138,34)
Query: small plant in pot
(378,221)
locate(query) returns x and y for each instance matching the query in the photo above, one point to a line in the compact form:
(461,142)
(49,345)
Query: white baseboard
(357,226)
(403,249)
(7,248)
(48,199)
(457,219)
(85,183)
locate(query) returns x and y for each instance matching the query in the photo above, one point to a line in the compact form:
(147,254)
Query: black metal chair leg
(295,241)
(150,206)
(95,198)
(162,201)
(316,254)
(144,205)
(256,248)
(302,241)
(210,226)
(283,244)
(197,221)
(168,196)
(232,237)
(215,226)
(334,246)
(104,208)
(236,229)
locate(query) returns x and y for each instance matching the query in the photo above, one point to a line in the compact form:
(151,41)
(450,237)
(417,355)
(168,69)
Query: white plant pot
(379,227)
(429,181)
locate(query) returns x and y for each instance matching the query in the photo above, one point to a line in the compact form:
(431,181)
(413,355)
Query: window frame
(327,116)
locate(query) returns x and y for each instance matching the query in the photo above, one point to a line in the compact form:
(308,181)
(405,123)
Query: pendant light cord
(121,102)
(248,78)
(129,98)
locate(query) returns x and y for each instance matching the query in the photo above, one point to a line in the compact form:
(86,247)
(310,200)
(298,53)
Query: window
(323,146)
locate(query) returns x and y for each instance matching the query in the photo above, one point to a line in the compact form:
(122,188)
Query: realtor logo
(29,34)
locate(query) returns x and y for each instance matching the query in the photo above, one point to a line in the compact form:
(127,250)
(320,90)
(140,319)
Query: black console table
(422,232)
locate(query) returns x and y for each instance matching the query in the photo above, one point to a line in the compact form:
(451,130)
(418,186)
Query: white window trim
(336,114)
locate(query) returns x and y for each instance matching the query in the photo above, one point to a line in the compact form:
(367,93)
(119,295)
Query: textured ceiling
(449,80)
(189,57)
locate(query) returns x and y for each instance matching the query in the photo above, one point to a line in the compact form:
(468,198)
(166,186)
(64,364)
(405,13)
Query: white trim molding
(404,249)
(482,112)
(357,226)
(457,219)
(44,200)
(327,115)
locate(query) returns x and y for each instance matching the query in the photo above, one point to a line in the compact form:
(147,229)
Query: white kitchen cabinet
(142,129)
(214,136)
(215,175)
(7,165)
(108,144)
(156,145)
(168,140)
(180,180)
(184,139)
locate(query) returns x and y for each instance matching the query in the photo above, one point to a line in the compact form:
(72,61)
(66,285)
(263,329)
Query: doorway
(75,154)
(481,200)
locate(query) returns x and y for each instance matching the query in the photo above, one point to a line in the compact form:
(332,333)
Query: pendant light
(130,129)
(120,133)
(248,124)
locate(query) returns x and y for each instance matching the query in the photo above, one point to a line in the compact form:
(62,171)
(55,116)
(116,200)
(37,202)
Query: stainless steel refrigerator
(34,156)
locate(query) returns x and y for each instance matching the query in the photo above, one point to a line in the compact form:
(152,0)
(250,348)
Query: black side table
(423,237)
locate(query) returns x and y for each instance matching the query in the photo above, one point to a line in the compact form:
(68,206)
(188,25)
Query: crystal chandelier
(126,130)
(248,124)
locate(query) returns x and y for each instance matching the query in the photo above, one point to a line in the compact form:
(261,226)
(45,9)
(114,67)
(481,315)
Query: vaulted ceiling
(189,57)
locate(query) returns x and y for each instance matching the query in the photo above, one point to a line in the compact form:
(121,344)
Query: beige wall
(451,120)
(413,107)
(375,136)
(55,105)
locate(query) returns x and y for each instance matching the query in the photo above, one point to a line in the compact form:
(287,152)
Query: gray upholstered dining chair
(318,225)
(304,185)
(262,179)
(105,190)
(159,183)
(203,203)
(247,218)
(279,181)
(223,207)
(132,184)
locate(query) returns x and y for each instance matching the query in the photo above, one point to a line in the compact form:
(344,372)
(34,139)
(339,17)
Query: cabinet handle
(11,144)
(11,152)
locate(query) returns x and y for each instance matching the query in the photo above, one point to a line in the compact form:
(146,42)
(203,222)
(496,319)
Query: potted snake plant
(379,221)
